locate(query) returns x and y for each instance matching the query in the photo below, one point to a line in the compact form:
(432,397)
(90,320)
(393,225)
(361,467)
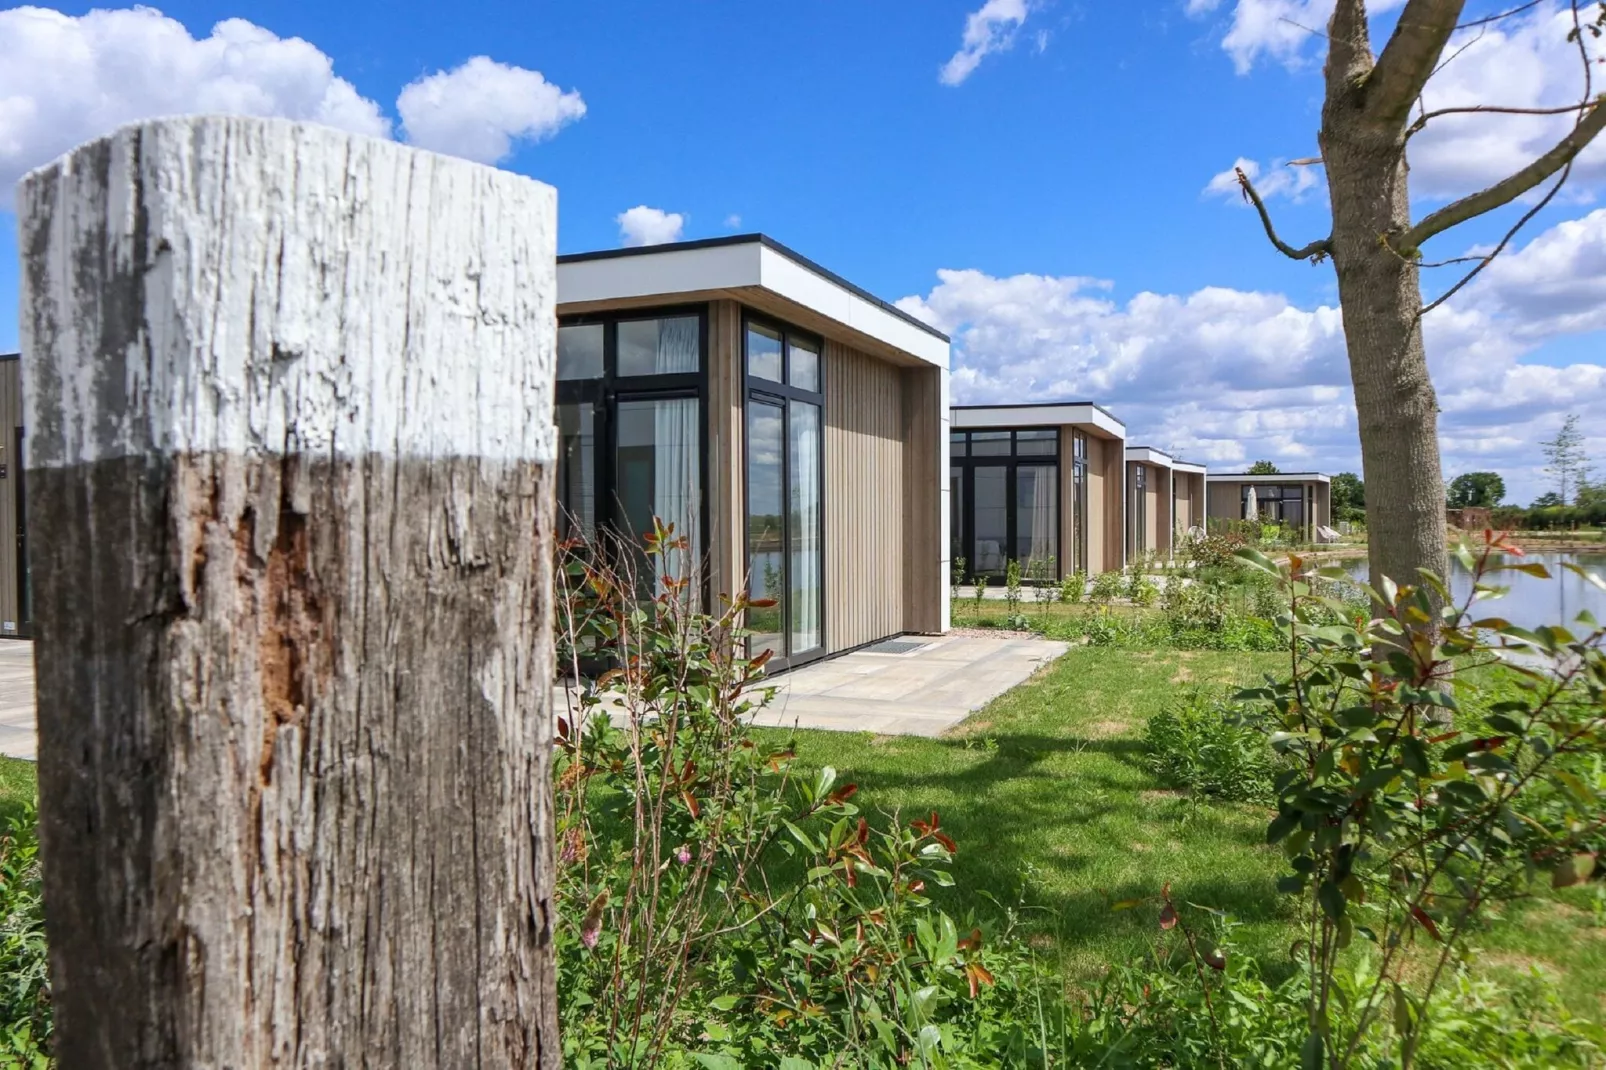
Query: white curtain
(1044,520)
(677,345)
(807,584)
(677,482)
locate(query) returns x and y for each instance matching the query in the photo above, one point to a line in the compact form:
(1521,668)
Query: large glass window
(785,521)
(1078,503)
(1005,498)
(580,351)
(1276,503)
(804,526)
(1139,512)
(766,547)
(764,350)
(663,346)
(629,416)
(577,483)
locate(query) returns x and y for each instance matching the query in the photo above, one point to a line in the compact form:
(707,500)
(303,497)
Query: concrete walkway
(921,693)
(17,738)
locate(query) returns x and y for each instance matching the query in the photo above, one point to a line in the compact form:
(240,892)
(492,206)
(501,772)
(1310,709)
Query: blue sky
(1061,183)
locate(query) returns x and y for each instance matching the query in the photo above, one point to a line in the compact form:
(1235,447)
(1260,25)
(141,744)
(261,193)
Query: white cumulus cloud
(1228,376)
(1280,180)
(991,28)
(1284,31)
(479,109)
(1522,62)
(67,79)
(642,225)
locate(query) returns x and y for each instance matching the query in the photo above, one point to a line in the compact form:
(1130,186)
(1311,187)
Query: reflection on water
(1532,601)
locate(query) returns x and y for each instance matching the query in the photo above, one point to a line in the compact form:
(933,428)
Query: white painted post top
(268,287)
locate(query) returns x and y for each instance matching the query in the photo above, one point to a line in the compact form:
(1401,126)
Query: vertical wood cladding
(865,503)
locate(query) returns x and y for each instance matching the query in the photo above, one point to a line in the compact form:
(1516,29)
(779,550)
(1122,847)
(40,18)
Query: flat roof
(744,261)
(1259,477)
(1028,415)
(1153,455)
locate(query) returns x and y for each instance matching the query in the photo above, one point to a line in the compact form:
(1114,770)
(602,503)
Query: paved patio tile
(923,693)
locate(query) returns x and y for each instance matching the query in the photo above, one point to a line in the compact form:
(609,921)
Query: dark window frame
(603,393)
(782,394)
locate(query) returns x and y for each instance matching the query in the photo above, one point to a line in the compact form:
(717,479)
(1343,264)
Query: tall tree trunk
(289,410)
(1381,298)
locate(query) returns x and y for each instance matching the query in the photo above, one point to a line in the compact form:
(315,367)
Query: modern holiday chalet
(1164,499)
(792,425)
(1037,484)
(1300,500)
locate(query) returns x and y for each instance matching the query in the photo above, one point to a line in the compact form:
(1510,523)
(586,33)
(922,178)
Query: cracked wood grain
(288,394)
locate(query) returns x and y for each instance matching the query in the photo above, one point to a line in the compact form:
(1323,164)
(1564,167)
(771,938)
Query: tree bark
(288,396)
(1381,299)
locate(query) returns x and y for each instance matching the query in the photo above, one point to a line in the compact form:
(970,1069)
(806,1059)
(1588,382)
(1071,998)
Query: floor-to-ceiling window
(1079,502)
(1277,503)
(1140,509)
(1004,492)
(785,482)
(629,420)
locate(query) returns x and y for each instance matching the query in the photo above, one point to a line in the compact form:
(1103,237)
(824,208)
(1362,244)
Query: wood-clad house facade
(1300,500)
(1042,485)
(1165,497)
(794,426)
(16,618)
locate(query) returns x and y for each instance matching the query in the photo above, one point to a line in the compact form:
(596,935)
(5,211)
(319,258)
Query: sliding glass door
(1004,489)
(785,521)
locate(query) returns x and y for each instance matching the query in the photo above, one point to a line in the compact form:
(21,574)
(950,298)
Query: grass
(18,786)
(1047,793)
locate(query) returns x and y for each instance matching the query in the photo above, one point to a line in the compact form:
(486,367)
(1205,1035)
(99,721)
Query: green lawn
(18,786)
(1046,791)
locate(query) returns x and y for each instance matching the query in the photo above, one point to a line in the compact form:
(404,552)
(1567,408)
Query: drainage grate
(895,646)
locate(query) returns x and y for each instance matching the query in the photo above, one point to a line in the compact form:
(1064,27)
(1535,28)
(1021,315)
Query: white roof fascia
(737,265)
(1279,477)
(1037,416)
(1150,455)
(1189,466)
(782,275)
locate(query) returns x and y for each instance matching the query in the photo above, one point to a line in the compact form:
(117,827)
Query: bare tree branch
(1519,9)
(1409,58)
(1492,109)
(1483,261)
(1315,252)
(1507,190)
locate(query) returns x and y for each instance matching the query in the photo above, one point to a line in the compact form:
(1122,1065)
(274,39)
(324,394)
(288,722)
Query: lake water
(1532,601)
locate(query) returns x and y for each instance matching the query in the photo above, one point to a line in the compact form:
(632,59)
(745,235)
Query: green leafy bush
(1073,587)
(1106,587)
(1213,746)
(25,1020)
(717,908)
(1402,826)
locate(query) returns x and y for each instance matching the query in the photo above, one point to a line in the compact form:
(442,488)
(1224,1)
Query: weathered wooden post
(289,411)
